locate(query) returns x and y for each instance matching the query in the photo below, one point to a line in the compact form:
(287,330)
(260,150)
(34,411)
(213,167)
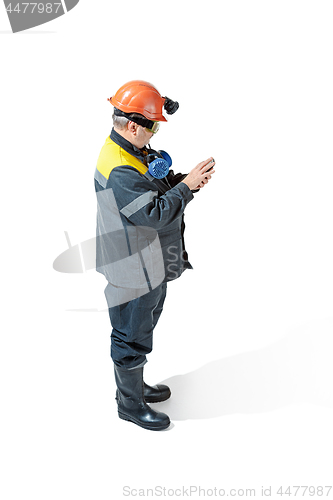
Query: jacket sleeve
(139,201)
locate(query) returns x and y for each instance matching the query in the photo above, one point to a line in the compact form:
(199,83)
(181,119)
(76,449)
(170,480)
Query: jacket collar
(126,145)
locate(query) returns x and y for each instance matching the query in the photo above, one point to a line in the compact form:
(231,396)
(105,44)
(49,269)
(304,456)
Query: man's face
(143,137)
(136,134)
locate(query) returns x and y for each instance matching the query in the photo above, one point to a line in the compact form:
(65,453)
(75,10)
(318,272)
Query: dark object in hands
(210,167)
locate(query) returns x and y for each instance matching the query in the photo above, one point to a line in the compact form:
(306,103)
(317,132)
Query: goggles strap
(144,122)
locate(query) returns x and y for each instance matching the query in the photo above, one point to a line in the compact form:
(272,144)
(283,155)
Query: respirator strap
(149,176)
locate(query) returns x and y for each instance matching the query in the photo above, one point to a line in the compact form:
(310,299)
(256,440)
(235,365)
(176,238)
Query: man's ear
(132,127)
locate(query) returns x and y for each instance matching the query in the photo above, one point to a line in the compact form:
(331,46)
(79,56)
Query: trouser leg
(133,324)
(160,392)
(159,308)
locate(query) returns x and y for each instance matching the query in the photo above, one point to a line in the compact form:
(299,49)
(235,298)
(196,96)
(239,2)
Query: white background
(245,339)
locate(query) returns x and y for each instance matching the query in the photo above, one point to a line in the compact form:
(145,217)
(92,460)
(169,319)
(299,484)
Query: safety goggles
(154,129)
(149,125)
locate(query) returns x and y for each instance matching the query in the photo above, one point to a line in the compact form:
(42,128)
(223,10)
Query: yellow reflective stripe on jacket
(112,156)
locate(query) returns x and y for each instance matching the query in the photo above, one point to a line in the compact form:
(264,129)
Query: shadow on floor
(297,368)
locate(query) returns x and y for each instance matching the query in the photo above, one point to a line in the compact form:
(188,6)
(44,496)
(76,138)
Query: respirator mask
(158,163)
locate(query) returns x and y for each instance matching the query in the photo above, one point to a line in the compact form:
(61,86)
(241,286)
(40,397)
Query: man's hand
(198,177)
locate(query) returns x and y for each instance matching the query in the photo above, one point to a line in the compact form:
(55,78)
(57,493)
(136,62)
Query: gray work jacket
(140,219)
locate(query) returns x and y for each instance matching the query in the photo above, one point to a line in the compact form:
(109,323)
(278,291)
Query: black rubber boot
(156,393)
(131,403)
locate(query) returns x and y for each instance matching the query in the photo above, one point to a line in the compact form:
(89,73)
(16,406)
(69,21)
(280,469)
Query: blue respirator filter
(159,167)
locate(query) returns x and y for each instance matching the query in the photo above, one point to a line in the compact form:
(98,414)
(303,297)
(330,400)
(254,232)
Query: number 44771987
(31,7)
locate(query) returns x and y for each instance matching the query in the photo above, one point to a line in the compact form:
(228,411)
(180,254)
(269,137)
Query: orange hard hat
(140,97)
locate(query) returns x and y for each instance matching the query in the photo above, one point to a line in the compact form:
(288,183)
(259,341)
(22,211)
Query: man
(140,244)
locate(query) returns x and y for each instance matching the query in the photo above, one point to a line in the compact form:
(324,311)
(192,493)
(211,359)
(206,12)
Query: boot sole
(123,416)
